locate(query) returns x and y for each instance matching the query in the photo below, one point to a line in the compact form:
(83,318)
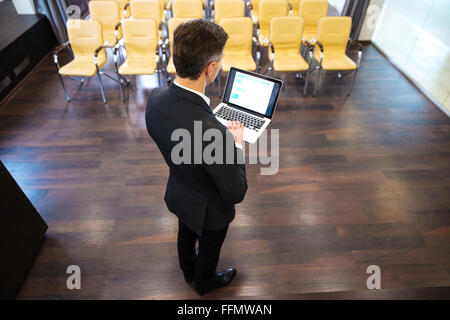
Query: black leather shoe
(222,279)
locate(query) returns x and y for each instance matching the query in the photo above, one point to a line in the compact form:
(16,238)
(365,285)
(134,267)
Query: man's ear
(210,68)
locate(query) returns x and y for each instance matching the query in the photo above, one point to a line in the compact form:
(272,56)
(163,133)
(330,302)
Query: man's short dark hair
(195,44)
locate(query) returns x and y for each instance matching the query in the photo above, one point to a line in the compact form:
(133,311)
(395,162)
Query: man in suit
(200,193)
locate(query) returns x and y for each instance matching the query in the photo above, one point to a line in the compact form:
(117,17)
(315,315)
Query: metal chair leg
(159,75)
(101,86)
(316,84)
(120,86)
(64,87)
(121,55)
(164,64)
(353,81)
(308,72)
(306,82)
(258,61)
(119,77)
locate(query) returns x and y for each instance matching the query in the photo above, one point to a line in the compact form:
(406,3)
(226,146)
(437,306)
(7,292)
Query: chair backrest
(255,7)
(312,11)
(107,13)
(121,4)
(240,33)
(228,9)
(269,9)
(146,9)
(286,33)
(172,25)
(140,38)
(187,9)
(295,6)
(85,36)
(333,34)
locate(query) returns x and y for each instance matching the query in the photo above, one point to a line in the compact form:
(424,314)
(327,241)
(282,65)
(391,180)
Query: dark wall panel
(24,41)
(21,234)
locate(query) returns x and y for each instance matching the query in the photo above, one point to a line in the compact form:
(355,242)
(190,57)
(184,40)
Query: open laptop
(250,98)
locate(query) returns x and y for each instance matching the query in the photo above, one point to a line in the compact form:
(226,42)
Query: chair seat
(289,62)
(245,62)
(171,66)
(82,67)
(336,62)
(138,66)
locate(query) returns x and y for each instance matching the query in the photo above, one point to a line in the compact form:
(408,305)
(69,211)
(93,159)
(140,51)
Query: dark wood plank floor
(363,180)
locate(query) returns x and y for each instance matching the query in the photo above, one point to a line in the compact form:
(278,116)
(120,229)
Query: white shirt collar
(207,100)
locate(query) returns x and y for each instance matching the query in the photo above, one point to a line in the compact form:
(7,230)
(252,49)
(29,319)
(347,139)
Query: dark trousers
(202,268)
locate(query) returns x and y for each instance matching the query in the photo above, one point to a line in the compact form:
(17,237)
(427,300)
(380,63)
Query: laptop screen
(252,91)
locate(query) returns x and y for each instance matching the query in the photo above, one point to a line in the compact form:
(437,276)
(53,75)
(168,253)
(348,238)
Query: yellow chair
(124,11)
(87,45)
(312,11)
(140,39)
(187,9)
(285,43)
(108,14)
(253,9)
(228,9)
(330,48)
(269,9)
(173,24)
(238,49)
(148,9)
(142,9)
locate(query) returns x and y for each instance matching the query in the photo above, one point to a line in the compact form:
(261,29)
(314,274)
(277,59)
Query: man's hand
(237,129)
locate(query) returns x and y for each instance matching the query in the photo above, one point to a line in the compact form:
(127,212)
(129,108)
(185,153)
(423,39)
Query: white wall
(337,4)
(416,36)
(24,6)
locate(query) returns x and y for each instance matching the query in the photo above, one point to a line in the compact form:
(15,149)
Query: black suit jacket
(202,195)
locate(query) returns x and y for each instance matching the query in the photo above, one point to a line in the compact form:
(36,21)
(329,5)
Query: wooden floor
(363,180)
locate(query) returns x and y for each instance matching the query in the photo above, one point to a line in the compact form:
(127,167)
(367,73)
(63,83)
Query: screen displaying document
(251,92)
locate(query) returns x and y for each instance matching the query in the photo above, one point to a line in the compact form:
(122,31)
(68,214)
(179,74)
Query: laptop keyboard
(249,121)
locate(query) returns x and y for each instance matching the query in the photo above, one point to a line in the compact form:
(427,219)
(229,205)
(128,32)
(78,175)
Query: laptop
(250,98)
